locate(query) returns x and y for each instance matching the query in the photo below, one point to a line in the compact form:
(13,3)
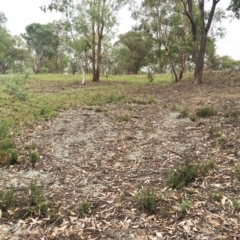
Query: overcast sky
(21,13)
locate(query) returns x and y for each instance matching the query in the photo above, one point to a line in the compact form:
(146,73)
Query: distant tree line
(169,36)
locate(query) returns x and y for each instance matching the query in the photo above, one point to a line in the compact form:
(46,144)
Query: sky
(21,13)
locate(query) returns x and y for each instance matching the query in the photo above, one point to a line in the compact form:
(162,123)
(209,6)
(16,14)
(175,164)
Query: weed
(150,76)
(84,207)
(113,98)
(237,172)
(12,158)
(184,206)
(33,158)
(47,112)
(183,175)
(123,118)
(216,196)
(184,111)
(8,154)
(236,205)
(98,110)
(37,199)
(214,131)
(232,113)
(188,173)
(7,199)
(146,200)
(206,112)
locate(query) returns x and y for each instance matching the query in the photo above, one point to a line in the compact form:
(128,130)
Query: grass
(206,112)
(146,200)
(187,173)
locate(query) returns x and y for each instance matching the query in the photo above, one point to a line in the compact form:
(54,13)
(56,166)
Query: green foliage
(8,154)
(44,70)
(217,196)
(184,111)
(236,205)
(12,158)
(184,206)
(146,200)
(37,200)
(123,118)
(237,172)
(206,112)
(183,176)
(214,131)
(84,207)
(33,158)
(113,98)
(16,85)
(7,199)
(188,173)
(150,76)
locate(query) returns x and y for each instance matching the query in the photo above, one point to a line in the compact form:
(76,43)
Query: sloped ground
(106,156)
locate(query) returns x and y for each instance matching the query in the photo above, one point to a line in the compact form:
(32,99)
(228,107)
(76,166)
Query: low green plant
(84,207)
(206,112)
(8,153)
(184,206)
(123,118)
(214,131)
(47,112)
(232,113)
(236,205)
(183,175)
(146,200)
(16,85)
(12,158)
(184,111)
(37,200)
(33,158)
(237,172)
(217,196)
(150,76)
(7,199)
(188,173)
(113,98)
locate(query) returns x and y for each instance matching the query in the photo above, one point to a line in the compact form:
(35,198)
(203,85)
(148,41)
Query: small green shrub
(214,131)
(236,205)
(188,173)
(146,200)
(7,199)
(217,196)
(84,207)
(150,76)
(113,98)
(237,172)
(183,175)
(206,112)
(123,118)
(12,158)
(184,206)
(37,200)
(33,158)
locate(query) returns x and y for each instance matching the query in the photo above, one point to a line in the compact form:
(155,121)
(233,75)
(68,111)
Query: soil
(94,157)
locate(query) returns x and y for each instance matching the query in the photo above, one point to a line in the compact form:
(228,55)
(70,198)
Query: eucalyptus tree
(134,48)
(41,41)
(92,20)
(168,28)
(6,44)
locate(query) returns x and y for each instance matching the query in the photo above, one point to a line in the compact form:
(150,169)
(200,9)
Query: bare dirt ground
(91,156)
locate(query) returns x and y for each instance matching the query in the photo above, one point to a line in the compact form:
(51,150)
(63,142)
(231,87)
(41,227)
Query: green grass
(50,93)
